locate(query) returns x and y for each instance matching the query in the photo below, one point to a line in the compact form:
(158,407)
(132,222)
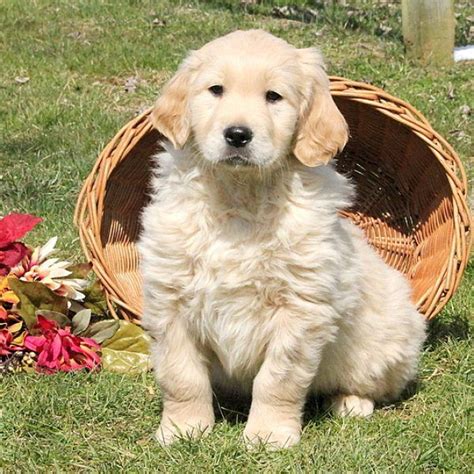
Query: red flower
(12,228)
(58,349)
(15,226)
(10,255)
(6,339)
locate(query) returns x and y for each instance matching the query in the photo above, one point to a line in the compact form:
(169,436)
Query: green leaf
(102,330)
(60,318)
(125,362)
(81,321)
(128,350)
(33,296)
(80,270)
(95,299)
(128,337)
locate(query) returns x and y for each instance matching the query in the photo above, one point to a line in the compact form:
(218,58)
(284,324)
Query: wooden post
(428,30)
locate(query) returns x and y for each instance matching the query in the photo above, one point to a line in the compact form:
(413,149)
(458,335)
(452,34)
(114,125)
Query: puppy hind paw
(351,405)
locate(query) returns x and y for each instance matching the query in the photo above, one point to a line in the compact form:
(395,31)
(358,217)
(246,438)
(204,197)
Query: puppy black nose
(238,136)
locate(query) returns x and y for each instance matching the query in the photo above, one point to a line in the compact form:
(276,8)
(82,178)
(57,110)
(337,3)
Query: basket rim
(89,207)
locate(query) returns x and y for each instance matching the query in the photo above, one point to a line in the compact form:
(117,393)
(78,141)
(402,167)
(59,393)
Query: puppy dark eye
(272,96)
(216,90)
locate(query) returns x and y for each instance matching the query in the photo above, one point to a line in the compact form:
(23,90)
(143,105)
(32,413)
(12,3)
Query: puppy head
(250,99)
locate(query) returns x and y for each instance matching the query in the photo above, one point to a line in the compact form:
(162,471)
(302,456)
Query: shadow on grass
(235,409)
(410,391)
(456,328)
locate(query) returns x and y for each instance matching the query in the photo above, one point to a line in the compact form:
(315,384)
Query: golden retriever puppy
(252,281)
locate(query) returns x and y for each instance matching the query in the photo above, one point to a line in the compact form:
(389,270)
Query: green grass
(78,56)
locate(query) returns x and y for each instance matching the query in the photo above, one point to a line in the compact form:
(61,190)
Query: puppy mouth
(236,160)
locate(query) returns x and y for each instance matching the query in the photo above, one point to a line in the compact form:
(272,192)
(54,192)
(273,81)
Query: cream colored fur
(252,282)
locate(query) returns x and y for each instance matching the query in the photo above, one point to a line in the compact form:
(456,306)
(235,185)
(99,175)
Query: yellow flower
(6,294)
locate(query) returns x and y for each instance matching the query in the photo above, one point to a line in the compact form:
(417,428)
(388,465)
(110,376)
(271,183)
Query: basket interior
(404,201)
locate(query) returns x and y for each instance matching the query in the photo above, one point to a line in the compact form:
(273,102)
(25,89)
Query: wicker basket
(411,198)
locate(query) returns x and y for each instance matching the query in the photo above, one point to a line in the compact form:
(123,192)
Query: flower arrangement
(52,317)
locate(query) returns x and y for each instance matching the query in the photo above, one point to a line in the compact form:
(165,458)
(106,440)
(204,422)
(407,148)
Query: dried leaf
(35,296)
(21,79)
(158,22)
(465,110)
(131,84)
(450,94)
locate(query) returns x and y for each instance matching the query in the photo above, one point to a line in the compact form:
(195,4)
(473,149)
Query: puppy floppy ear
(170,115)
(322,130)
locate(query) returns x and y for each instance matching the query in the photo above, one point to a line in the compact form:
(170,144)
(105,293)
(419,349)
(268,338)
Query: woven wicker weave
(411,198)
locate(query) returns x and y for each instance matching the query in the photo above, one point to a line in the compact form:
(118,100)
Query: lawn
(71,74)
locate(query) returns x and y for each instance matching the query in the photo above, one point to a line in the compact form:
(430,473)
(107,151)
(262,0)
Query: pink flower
(12,228)
(60,350)
(6,339)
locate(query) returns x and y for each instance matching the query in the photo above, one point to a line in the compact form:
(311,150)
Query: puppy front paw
(351,405)
(171,430)
(273,436)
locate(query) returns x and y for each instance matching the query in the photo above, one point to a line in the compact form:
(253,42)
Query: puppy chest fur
(234,271)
